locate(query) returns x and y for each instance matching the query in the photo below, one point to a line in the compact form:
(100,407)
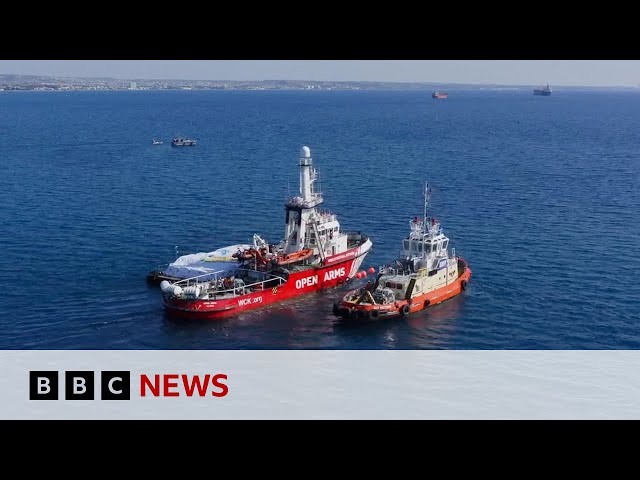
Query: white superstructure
(424,263)
(307,226)
(311,232)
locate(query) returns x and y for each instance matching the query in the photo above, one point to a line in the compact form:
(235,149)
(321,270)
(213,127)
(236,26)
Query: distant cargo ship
(544,91)
(439,95)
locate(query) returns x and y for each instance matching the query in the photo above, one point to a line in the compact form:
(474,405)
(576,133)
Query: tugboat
(440,95)
(425,274)
(314,255)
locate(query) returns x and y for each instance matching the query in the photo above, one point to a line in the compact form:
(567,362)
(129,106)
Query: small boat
(156,142)
(263,256)
(183,142)
(425,274)
(439,95)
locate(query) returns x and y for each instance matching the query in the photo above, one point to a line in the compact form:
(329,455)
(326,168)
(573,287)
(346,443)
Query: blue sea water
(540,194)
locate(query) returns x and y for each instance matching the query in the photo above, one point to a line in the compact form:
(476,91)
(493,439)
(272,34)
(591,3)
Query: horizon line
(318,81)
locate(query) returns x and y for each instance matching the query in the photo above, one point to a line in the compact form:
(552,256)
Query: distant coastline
(40,83)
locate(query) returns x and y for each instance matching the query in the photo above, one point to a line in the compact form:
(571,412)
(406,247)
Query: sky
(506,72)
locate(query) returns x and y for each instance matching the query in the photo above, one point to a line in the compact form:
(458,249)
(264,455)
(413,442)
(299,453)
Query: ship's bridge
(325,217)
(425,239)
(418,247)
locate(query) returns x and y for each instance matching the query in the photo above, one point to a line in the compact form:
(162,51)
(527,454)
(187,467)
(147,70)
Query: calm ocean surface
(541,195)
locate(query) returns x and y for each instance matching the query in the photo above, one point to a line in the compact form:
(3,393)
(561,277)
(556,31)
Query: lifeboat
(295,257)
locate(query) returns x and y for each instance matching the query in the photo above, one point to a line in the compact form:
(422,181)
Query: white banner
(319,384)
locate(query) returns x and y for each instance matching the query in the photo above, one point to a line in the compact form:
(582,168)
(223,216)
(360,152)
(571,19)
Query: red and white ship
(314,255)
(425,274)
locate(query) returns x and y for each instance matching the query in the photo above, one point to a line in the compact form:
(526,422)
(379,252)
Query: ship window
(427,248)
(405,243)
(444,244)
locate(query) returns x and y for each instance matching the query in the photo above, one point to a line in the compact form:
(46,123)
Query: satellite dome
(305,152)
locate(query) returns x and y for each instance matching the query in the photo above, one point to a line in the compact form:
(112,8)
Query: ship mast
(427,198)
(301,209)
(425,225)
(306,174)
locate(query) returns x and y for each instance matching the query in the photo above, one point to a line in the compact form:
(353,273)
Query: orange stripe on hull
(439,295)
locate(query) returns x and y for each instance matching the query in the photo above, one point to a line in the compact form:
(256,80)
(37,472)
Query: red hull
(337,270)
(350,310)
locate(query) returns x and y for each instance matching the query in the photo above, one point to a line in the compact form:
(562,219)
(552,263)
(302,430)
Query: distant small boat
(543,91)
(183,142)
(157,142)
(439,95)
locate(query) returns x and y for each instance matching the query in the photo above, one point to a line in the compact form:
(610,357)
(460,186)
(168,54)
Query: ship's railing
(316,198)
(387,270)
(326,216)
(272,280)
(198,279)
(355,239)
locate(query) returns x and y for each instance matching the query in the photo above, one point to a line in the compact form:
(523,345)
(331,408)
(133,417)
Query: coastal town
(47,83)
(41,83)
(38,83)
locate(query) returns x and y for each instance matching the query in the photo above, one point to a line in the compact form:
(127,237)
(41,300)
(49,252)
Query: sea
(540,195)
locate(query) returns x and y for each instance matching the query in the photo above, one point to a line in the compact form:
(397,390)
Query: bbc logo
(79,385)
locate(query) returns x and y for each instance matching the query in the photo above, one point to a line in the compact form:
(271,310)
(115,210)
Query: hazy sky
(511,72)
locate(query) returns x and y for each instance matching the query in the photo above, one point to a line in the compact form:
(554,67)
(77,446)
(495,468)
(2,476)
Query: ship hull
(402,308)
(336,271)
(542,93)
